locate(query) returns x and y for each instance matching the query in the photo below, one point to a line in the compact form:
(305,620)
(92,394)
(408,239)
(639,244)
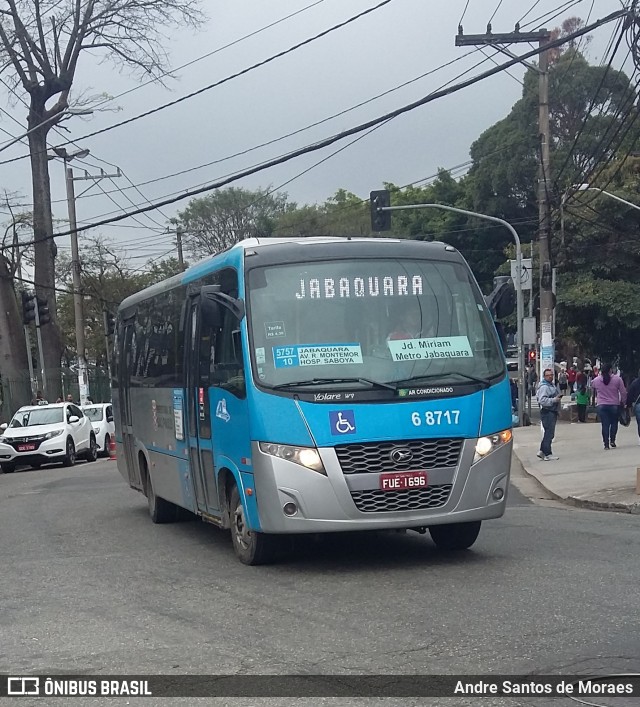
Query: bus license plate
(403,480)
(26,447)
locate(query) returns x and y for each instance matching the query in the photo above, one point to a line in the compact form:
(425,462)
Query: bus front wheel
(455,536)
(250,547)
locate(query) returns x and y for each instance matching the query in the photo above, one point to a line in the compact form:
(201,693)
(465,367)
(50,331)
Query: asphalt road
(89,585)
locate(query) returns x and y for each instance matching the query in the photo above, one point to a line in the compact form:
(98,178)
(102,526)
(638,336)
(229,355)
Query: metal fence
(18,391)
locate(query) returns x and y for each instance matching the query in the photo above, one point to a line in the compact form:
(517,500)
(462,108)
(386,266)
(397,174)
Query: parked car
(511,354)
(42,434)
(101,416)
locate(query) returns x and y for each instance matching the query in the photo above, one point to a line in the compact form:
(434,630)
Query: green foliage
(599,285)
(343,214)
(603,316)
(226,216)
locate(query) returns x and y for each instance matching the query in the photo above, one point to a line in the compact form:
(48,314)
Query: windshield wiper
(485,382)
(321,381)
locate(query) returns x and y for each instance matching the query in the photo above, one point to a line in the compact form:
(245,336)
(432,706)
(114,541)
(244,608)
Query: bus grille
(376,457)
(376,501)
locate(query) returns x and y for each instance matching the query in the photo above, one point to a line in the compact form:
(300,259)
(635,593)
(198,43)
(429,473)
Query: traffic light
(109,323)
(44,316)
(380,220)
(28,307)
(532,356)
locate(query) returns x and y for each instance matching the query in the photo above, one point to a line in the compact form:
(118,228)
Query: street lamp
(83,375)
(517,283)
(586,187)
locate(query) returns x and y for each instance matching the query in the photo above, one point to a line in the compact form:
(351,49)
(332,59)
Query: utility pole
(76,269)
(499,42)
(547,333)
(107,349)
(83,369)
(179,233)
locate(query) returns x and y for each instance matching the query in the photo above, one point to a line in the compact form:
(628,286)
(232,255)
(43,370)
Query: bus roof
(274,250)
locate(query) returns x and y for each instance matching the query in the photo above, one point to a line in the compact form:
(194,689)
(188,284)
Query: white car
(101,416)
(42,434)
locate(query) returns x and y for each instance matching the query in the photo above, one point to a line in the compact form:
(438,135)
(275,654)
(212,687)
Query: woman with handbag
(633,400)
(611,394)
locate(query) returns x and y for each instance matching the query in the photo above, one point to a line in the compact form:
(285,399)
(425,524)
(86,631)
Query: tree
(221,219)
(13,356)
(343,214)
(41,42)
(599,286)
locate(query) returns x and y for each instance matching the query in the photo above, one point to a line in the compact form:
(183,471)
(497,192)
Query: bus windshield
(392,321)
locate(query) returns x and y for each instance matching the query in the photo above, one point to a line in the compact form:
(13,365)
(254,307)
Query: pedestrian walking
(633,400)
(563,381)
(572,374)
(549,398)
(610,395)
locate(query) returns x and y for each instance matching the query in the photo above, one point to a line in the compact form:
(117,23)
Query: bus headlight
(305,456)
(486,445)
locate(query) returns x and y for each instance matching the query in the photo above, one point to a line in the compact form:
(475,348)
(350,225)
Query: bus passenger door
(128,358)
(199,351)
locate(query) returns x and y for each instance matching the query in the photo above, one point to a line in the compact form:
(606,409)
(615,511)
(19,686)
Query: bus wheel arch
(226,483)
(160,510)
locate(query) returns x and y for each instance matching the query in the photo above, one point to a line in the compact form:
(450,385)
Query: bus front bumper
(338,502)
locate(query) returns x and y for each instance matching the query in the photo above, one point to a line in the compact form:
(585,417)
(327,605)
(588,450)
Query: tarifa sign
(363,286)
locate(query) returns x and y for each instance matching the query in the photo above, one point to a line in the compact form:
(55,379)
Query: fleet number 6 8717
(435,417)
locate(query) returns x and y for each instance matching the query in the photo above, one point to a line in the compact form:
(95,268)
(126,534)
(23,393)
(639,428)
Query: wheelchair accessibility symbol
(343,422)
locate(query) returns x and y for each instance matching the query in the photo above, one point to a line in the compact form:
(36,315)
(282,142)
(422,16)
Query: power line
(340,150)
(528,12)
(495,11)
(352,131)
(464,12)
(209,54)
(244,71)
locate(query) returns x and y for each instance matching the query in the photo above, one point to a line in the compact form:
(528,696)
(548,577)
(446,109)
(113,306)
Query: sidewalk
(585,474)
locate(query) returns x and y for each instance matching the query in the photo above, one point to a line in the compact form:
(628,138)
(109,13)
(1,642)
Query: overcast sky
(380,52)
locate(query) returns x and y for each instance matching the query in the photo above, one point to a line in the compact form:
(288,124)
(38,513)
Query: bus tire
(455,536)
(160,510)
(251,548)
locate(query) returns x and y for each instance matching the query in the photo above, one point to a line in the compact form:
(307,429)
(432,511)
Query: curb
(574,501)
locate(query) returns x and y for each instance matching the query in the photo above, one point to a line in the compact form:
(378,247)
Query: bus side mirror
(211,294)
(502,299)
(211,313)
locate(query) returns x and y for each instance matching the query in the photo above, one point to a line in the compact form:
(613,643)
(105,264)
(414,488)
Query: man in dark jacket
(549,398)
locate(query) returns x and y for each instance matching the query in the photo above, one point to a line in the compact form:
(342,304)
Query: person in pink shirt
(610,395)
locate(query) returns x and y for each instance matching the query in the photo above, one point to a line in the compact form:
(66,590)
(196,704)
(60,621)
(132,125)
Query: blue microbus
(316,385)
